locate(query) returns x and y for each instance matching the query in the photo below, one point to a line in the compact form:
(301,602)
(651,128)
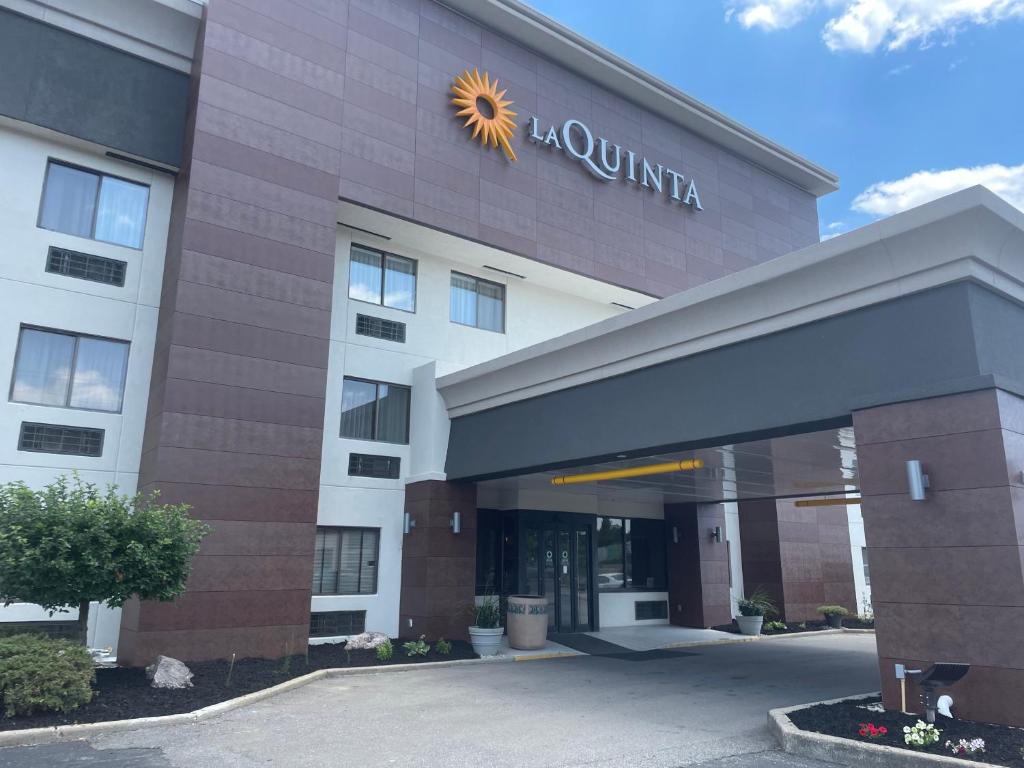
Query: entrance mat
(595,646)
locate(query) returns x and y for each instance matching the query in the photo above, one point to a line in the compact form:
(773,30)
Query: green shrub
(40,674)
(442,647)
(757,603)
(773,626)
(72,543)
(833,610)
(385,651)
(416,647)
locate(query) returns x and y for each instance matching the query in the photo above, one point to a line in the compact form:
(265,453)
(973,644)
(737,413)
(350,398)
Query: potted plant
(753,609)
(485,633)
(833,615)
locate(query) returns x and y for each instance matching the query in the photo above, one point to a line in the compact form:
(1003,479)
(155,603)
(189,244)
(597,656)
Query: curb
(834,749)
(31,736)
(552,655)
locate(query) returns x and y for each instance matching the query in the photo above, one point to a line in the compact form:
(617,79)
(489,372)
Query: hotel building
(374,284)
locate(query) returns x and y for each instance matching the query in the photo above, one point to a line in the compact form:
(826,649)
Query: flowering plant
(871,731)
(921,734)
(965,747)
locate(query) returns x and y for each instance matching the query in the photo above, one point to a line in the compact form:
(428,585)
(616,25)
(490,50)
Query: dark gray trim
(80,87)
(950,339)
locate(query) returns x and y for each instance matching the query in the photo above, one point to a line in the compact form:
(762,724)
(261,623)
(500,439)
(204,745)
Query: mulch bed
(1003,745)
(125,693)
(809,626)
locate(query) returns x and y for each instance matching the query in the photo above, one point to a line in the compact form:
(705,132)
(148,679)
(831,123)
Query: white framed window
(97,206)
(68,370)
(382,278)
(345,561)
(478,303)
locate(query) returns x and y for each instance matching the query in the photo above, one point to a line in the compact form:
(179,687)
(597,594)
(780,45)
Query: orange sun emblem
(475,95)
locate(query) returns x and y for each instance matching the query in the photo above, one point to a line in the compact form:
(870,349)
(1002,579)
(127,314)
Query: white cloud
(888,197)
(833,229)
(769,14)
(866,25)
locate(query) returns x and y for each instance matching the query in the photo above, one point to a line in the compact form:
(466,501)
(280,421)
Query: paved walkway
(700,706)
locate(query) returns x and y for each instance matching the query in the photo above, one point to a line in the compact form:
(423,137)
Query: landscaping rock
(166,672)
(366,641)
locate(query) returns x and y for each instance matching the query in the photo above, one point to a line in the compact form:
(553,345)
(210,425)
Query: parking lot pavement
(704,707)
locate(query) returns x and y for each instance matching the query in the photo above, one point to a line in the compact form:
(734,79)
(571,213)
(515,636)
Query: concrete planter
(834,620)
(527,622)
(486,640)
(750,625)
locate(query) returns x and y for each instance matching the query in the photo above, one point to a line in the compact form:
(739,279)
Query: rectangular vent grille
(650,609)
(368,465)
(333,623)
(378,328)
(85,266)
(53,438)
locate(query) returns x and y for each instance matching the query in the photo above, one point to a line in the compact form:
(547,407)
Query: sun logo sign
(485,109)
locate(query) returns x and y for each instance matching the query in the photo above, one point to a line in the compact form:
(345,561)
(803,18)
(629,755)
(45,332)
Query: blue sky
(904,99)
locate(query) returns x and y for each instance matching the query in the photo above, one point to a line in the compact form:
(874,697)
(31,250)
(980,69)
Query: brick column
(946,573)
(759,550)
(438,566)
(236,407)
(799,555)
(698,567)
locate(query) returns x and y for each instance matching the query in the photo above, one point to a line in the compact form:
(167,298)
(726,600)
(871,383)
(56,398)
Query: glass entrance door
(557,565)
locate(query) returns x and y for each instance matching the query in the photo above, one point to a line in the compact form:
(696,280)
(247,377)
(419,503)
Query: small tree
(71,543)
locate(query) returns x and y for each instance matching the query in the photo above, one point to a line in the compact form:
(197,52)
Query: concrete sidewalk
(704,705)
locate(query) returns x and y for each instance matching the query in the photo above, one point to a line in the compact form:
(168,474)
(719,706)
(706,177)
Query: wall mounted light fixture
(715,534)
(408,524)
(675,534)
(456,522)
(917,480)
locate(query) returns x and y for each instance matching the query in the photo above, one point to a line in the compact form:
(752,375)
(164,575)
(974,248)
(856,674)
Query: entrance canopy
(924,304)
(817,463)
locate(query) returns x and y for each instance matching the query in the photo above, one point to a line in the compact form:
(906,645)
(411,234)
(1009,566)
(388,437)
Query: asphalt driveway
(704,705)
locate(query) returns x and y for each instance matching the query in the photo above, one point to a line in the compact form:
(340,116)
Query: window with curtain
(88,204)
(375,410)
(476,302)
(382,278)
(345,561)
(631,554)
(67,370)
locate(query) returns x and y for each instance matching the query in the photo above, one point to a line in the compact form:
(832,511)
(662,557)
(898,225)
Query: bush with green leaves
(774,626)
(833,610)
(385,651)
(757,603)
(71,543)
(442,647)
(417,647)
(42,674)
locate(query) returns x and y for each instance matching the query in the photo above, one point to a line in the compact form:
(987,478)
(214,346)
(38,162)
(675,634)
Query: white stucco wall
(434,345)
(31,296)
(857,544)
